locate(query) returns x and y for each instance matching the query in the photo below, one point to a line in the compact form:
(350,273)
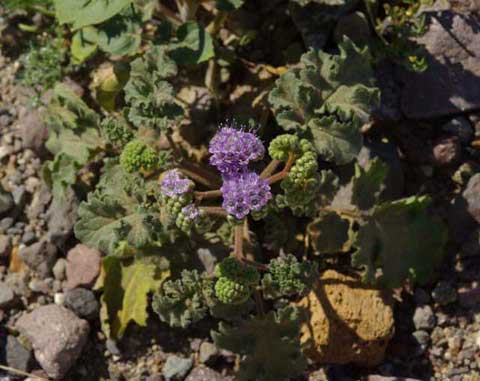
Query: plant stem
(270,168)
(259,302)
(170,15)
(284,172)
(208,194)
(202,175)
(214,27)
(215,210)
(21,373)
(238,242)
(345,212)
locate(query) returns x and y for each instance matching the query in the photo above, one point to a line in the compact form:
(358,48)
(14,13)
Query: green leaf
(125,292)
(368,184)
(194,46)
(400,240)
(121,35)
(117,210)
(82,13)
(329,233)
(270,345)
(84,44)
(330,97)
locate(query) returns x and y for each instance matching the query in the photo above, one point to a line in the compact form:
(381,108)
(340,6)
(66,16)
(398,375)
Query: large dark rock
(451,84)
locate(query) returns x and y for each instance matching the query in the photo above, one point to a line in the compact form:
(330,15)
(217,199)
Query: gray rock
(176,367)
(5,246)
(59,269)
(112,347)
(61,217)
(451,85)
(472,197)
(446,151)
(19,195)
(6,223)
(83,266)
(6,201)
(421,297)
(40,257)
(57,337)
(18,356)
(444,294)
(202,373)
(423,318)
(461,127)
(28,238)
(208,353)
(7,296)
(33,131)
(386,378)
(422,340)
(82,302)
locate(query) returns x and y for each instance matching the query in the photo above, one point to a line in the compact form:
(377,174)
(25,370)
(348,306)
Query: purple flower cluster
(244,192)
(174,184)
(232,149)
(190,211)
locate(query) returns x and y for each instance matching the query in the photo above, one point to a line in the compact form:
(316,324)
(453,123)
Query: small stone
(461,127)
(57,337)
(17,356)
(383,378)
(446,150)
(19,195)
(6,201)
(82,302)
(202,373)
(5,151)
(422,339)
(469,298)
(39,286)
(83,266)
(28,238)
(7,296)
(444,294)
(59,269)
(61,218)
(208,352)
(112,347)
(176,367)
(423,318)
(6,223)
(59,298)
(472,197)
(33,131)
(5,246)
(155,377)
(40,257)
(421,297)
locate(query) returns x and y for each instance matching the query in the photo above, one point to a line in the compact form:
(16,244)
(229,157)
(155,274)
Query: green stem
(21,373)
(345,212)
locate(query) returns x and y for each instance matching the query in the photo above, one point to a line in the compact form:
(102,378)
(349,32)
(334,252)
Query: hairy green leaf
(82,13)
(194,46)
(84,44)
(330,98)
(269,343)
(400,240)
(126,286)
(329,233)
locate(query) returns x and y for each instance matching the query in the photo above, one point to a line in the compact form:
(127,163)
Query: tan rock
(348,322)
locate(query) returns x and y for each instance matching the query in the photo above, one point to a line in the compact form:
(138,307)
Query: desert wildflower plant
(274,193)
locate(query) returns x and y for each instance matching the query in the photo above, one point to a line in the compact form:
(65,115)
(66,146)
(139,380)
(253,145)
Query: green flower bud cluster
(301,185)
(137,156)
(117,132)
(187,218)
(235,281)
(282,146)
(287,276)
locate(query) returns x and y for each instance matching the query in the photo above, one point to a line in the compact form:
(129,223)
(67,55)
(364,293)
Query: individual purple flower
(190,211)
(174,184)
(244,192)
(232,149)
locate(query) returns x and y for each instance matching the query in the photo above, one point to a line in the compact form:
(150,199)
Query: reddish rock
(83,266)
(446,150)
